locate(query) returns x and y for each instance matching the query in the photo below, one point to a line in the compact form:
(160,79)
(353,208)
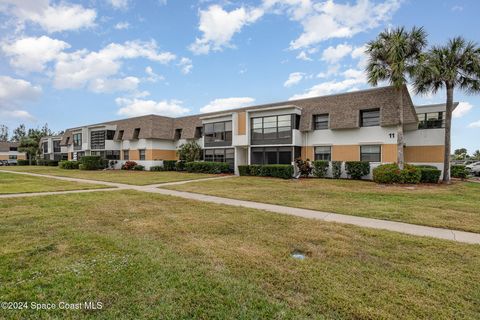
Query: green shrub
(336,169)
(357,169)
(207,167)
(52,163)
(47,162)
(92,163)
(68,164)
(139,167)
(320,168)
(244,170)
(22,162)
(156,168)
(41,162)
(430,174)
(169,165)
(391,173)
(180,165)
(129,165)
(459,171)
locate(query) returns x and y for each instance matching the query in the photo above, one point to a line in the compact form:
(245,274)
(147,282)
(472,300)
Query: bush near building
(47,162)
(357,169)
(320,168)
(22,162)
(68,165)
(207,167)
(129,165)
(459,171)
(430,174)
(336,169)
(92,163)
(170,165)
(391,173)
(284,171)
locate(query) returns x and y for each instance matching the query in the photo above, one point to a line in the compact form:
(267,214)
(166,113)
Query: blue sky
(72,63)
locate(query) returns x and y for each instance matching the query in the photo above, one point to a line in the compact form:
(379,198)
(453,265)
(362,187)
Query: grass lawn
(456,206)
(121,176)
(16,183)
(149,256)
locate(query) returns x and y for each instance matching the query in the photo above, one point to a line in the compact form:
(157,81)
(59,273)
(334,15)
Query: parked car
(4,163)
(474,168)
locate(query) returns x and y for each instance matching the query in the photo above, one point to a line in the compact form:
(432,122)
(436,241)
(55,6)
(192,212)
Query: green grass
(152,256)
(120,176)
(16,183)
(456,206)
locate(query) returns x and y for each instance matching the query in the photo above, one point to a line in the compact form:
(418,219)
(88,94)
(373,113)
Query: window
(97,139)
(12,157)
(272,129)
(320,121)
(77,141)
(141,154)
(136,133)
(120,135)
(198,132)
(178,134)
(370,118)
(112,154)
(56,146)
(13,148)
(218,134)
(220,155)
(431,120)
(323,153)
(370,153)
(126,155)
(67,141)
(271,155)
(45,147)
(110,134)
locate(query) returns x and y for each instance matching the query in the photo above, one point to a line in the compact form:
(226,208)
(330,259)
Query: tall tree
(476,155)
(3,132)
(393,57)
(30,144)
(19,133)
(451,66)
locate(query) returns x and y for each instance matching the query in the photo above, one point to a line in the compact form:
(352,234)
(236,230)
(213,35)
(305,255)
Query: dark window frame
(217,134)
(367,156)
(77,141)
(228,155)
(141,154)
(264,132)
(127,153)
(323,155)
(431,123)
(178,134)
(120,134)
(136,133)
(110,134)
(97,139)
(320,124)
(268,151)
(56,146)
(366,118)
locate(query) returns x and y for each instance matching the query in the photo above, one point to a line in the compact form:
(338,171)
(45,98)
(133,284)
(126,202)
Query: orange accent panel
(3,157)
(424,154)
(346,153)
(158,154)
(308,153)
(389,153)
(134,155)
(242,123)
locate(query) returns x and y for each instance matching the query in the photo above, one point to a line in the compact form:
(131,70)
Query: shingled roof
(5,145)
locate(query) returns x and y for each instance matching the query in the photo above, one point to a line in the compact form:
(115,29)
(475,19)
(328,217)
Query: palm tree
(454,65)
(393,57)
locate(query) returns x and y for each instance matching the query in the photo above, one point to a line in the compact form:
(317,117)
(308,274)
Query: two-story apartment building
(9,152)
(351,126)
(51,149)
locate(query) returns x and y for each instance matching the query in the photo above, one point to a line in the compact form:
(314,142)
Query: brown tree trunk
(400,138)
(448,129)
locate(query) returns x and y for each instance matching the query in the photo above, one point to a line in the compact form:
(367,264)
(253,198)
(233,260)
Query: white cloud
(185,65)
(303,56)
(352,80)
(475,124)
(77,69)
(327,20)
(152,76)
(227,104)
(122,25)
(335,54)
(462,109)
(31,54)
(118,4)
(293,79)
(13,93)
(457,8)
(331,71)
(114,85)
(51,17)
(219,26)
(138,107)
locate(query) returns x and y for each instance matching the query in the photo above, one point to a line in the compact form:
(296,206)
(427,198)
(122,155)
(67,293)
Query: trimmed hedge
(46,162)
(180,165)
(157,168)
(459,171)
(391,173)
(284,171)
(92,163)
(169,165)
(357,169)
(21,162)
(336,169)
(320,168)
(69,165)
(207,167)
(430,174)
(139,167)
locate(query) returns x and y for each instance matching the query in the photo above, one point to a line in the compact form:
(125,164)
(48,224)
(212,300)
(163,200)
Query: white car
(474,168)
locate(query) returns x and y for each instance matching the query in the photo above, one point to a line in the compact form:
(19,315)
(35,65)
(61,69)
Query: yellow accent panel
(308,153)
(158,154)
(3,157)
(389,153)
(424,153)
(346,153)
(242,123)
(134,155)
(69,155)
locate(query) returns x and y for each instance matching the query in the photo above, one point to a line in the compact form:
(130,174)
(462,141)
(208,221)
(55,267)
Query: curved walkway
(412,229)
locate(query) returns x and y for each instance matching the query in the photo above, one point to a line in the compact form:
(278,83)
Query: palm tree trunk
(448,129)
(400,138)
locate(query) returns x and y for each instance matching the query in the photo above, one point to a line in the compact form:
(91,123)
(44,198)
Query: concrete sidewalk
(411,229)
